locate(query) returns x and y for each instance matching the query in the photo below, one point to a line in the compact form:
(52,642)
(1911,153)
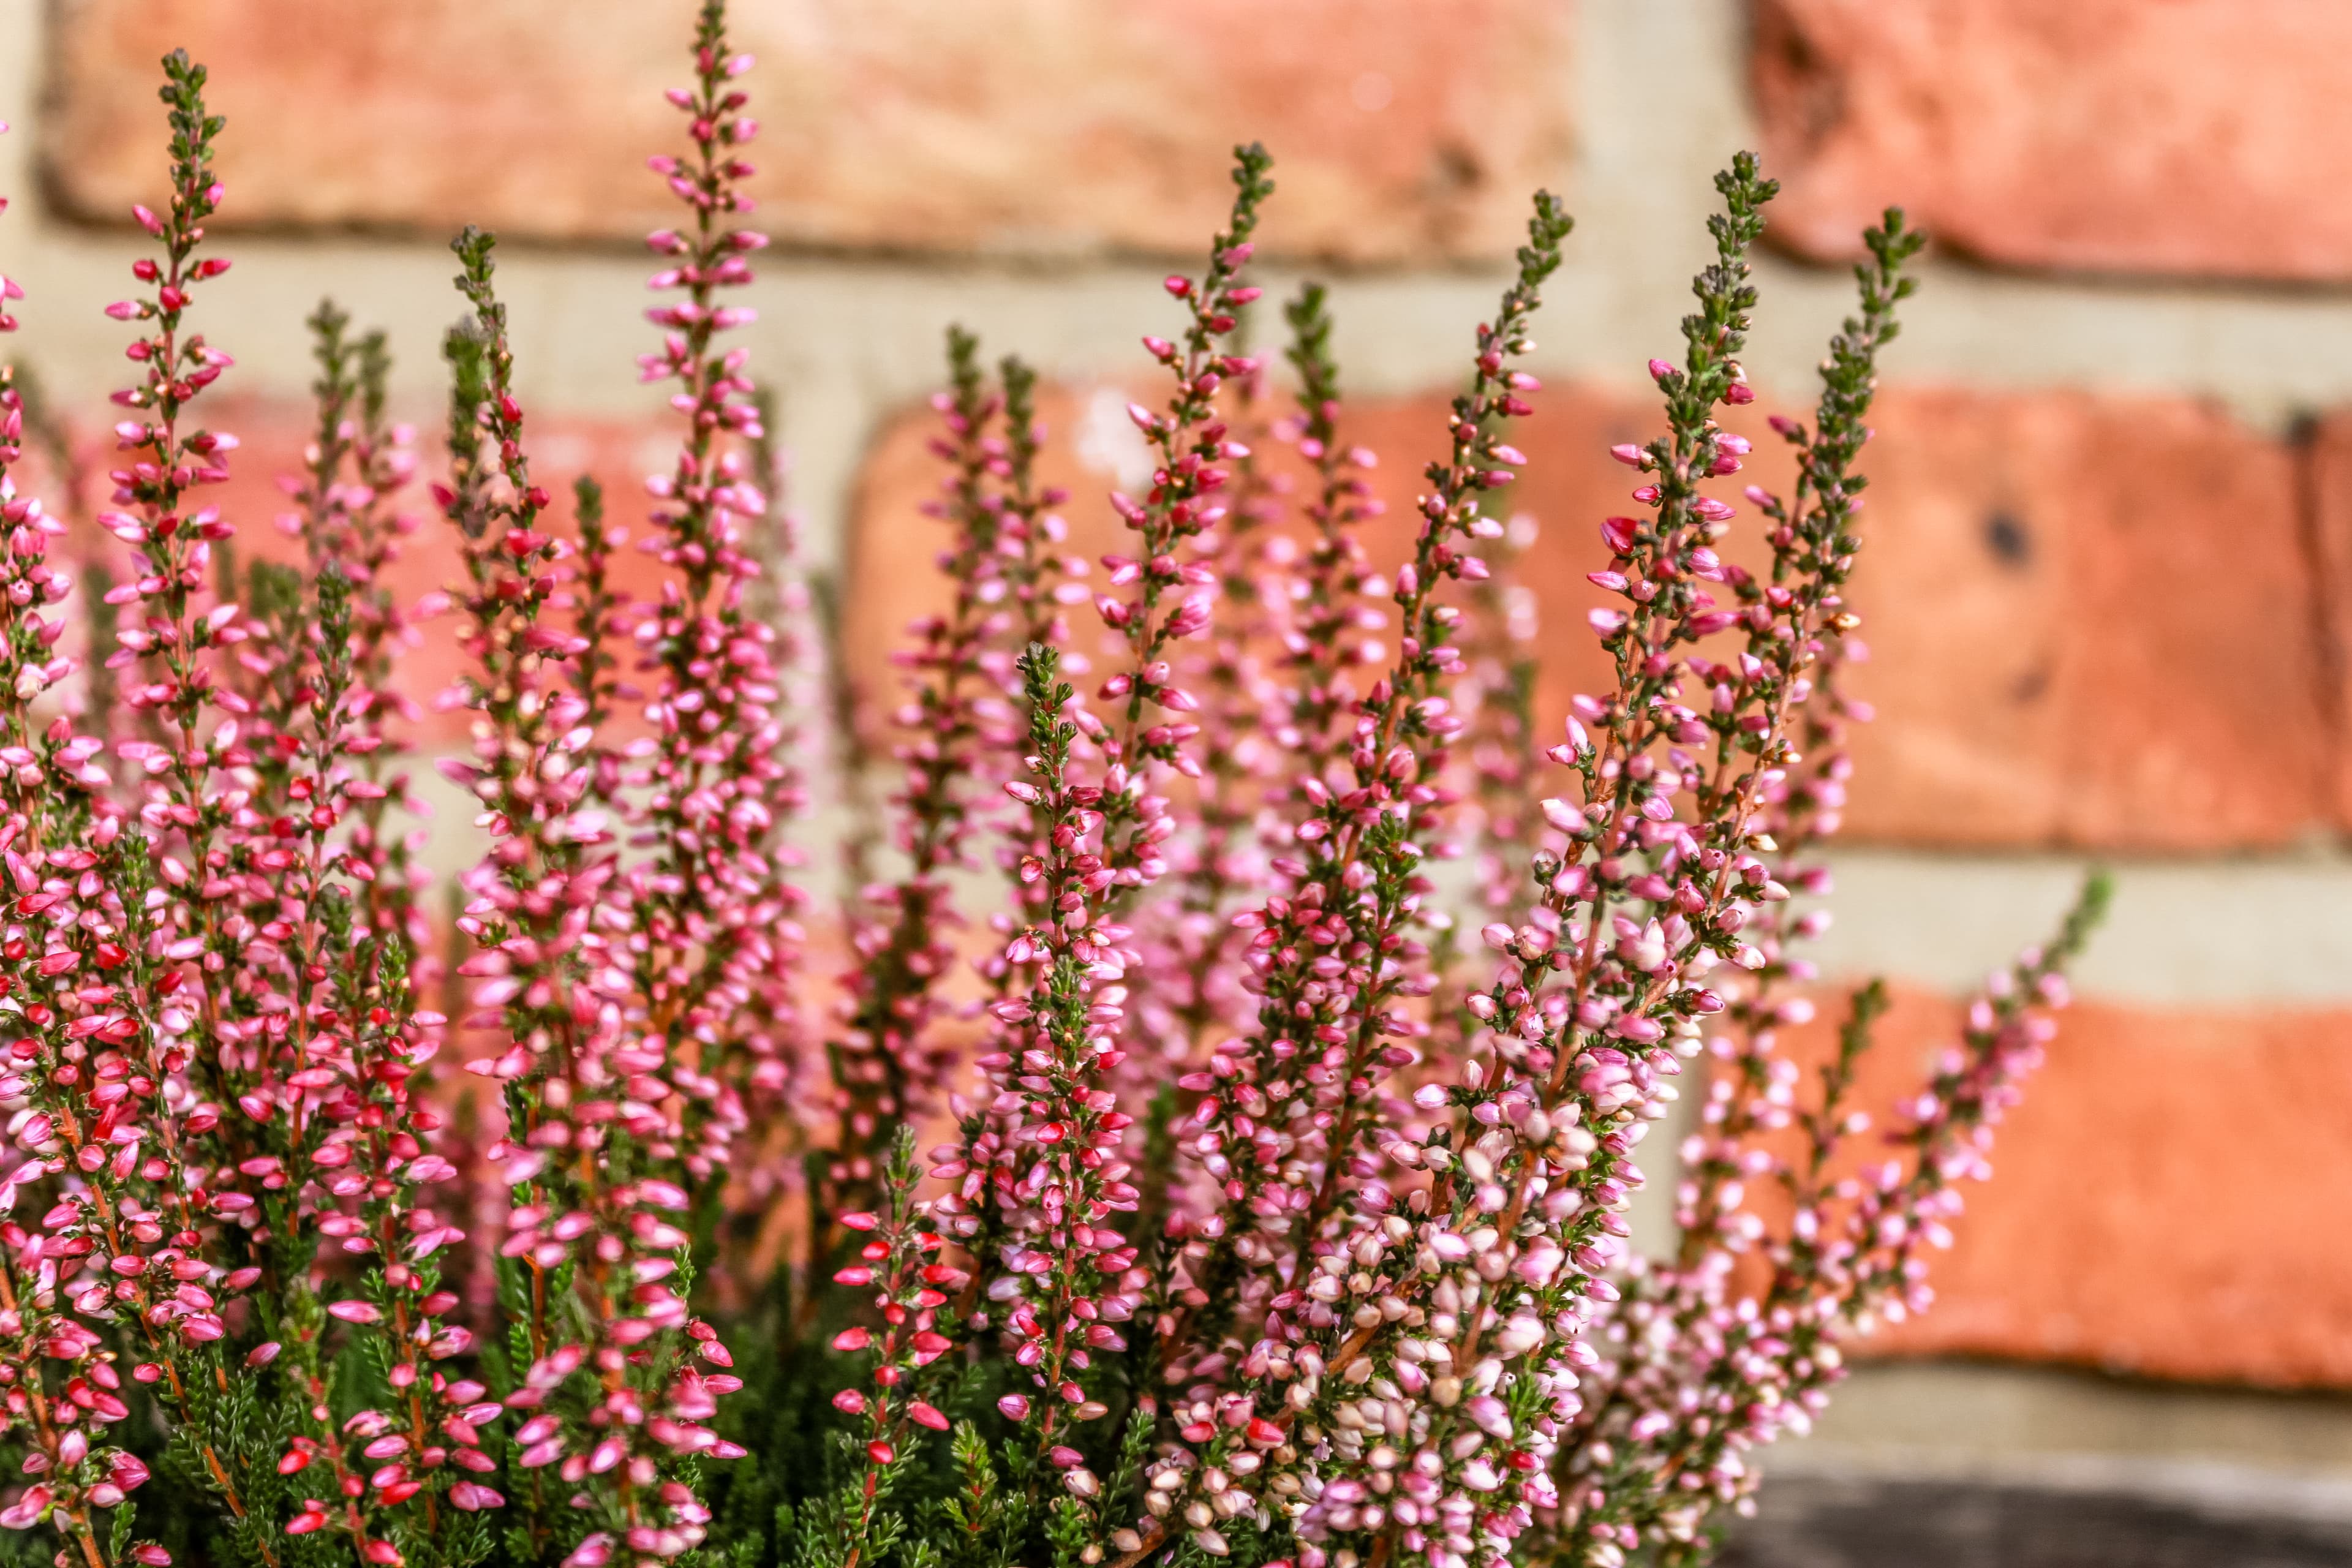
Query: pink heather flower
(1287,1169)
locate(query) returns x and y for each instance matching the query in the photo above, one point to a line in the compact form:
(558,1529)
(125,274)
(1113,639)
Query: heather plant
(1176,1163)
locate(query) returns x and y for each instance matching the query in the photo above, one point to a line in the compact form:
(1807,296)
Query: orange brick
(2170,1201)
(1402,129)
(2091,623)
(272,437)
(2089,619)
(2328,488)
(2186,137)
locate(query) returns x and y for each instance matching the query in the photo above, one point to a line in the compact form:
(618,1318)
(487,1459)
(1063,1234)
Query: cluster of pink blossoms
(1273,1217)
(1383,1303)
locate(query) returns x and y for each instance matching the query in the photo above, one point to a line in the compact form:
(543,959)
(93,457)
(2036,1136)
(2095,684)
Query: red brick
(1405,129)
(2089,619)
(888,534)
(2200,137)
(272,437)
(2328,480)
(2170,1201)
(2091,623)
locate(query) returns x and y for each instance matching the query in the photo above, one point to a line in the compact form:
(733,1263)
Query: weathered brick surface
(892,546)
(2091,625)
(273,436)
(2091,620)
(2328,497)
(2170,1201)
(2164,136)
(1403,128)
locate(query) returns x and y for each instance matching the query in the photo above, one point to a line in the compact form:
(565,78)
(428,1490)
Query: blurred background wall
(2108,582)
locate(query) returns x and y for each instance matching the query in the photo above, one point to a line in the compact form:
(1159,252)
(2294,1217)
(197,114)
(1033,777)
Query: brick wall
(2111,582)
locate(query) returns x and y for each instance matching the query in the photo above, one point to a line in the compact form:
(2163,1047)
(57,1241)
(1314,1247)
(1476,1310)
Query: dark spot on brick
(1802,87)
(2007,536)
(1456,168)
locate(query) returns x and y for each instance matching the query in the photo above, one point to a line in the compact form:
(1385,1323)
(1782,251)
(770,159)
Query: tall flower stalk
(885,1060)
